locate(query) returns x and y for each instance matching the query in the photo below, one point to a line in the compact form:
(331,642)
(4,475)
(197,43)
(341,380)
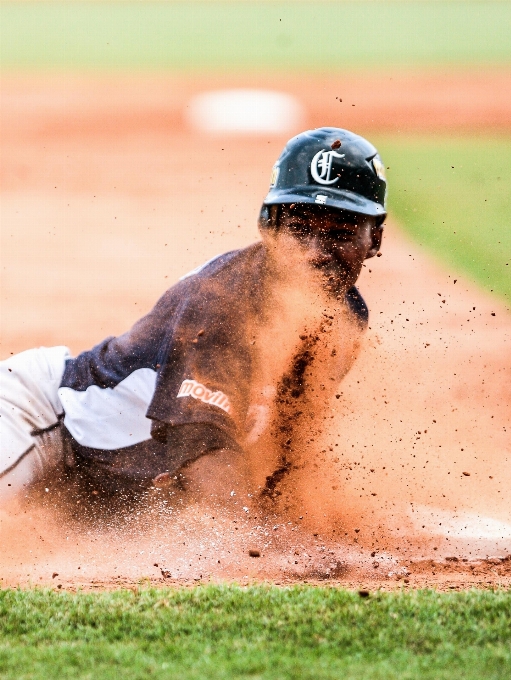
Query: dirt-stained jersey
(177,384)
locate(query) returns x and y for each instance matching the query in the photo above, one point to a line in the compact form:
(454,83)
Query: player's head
(328,189)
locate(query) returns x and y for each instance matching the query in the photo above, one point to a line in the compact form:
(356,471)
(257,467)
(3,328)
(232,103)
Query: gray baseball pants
(30,410)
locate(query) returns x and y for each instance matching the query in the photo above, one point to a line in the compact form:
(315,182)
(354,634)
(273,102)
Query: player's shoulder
(228,278)
(234,261)
(231,275)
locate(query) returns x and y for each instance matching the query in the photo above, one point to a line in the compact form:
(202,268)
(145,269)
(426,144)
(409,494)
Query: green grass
(259,632)
(237,36)
(453,195)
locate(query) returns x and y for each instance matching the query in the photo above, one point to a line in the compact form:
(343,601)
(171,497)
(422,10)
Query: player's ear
(376,237)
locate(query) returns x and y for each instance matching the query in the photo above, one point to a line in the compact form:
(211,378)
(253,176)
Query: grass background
(453,195)
(257,632)
(237,36)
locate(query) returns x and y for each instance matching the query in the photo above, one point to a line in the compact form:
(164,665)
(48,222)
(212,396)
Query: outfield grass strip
(237,36)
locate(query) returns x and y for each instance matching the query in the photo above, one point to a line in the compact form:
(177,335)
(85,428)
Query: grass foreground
(256,632)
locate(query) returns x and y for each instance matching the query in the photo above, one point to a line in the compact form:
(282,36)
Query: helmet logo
(321,166)
(274,176)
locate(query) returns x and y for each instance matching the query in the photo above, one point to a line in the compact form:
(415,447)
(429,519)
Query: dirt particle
(254,553)
(363,593)
(272,481)
(55,574)
(467,474)
(379,253)
(336,144)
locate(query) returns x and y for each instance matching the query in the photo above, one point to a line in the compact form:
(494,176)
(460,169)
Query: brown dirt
(107,198)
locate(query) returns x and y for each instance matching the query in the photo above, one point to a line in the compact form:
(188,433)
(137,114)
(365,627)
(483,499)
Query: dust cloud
(406,458)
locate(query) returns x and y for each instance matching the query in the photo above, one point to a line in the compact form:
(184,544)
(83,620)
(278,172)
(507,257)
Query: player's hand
(219,475)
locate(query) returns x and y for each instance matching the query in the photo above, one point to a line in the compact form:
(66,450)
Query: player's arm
(188,442)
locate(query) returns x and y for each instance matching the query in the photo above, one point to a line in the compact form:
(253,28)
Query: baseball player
(138,409)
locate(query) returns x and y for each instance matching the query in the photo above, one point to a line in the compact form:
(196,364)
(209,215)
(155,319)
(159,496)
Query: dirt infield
(107,198)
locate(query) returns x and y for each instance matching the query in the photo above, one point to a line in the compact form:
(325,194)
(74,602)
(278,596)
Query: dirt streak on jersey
(177,384)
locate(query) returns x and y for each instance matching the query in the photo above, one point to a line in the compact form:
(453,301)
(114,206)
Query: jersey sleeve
(205,365)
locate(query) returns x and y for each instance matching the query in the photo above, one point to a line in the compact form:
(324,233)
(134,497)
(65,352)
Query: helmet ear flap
(268,217)
(264,217)
(275,211)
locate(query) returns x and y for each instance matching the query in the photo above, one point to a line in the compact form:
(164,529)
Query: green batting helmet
(333,167)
